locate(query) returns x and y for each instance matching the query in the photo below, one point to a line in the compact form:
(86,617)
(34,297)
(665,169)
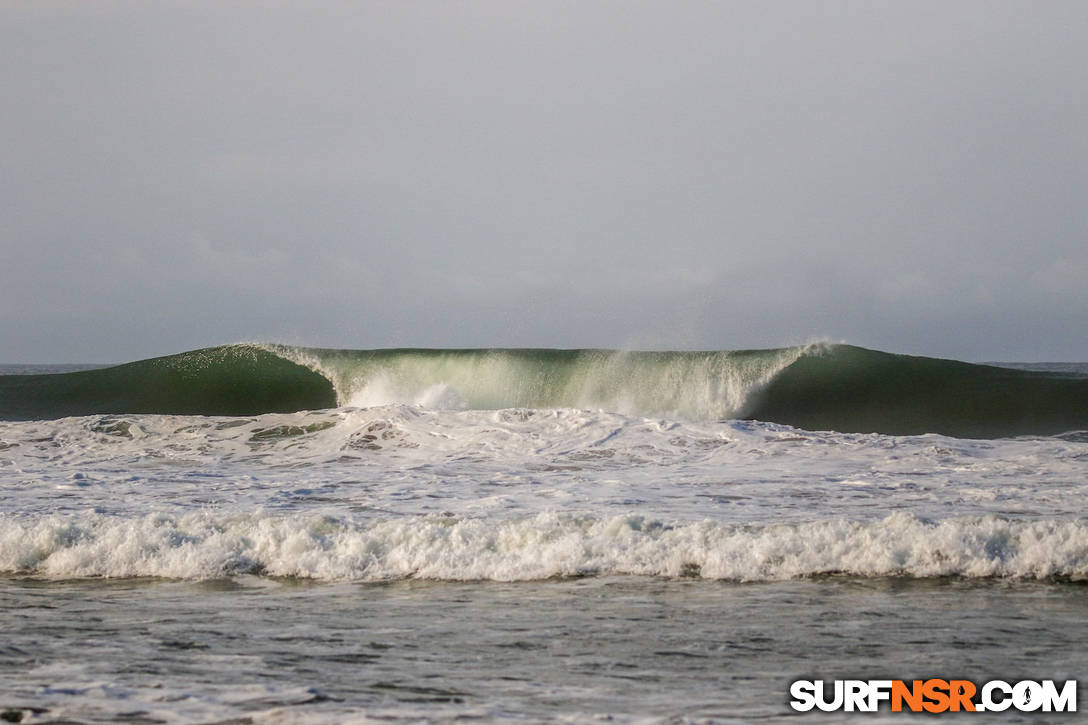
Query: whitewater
(261,533)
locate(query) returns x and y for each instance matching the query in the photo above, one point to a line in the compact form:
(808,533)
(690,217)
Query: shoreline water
(626,648)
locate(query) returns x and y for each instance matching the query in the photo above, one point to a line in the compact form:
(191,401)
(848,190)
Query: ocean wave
(230,380)
(546,545)
(815,387)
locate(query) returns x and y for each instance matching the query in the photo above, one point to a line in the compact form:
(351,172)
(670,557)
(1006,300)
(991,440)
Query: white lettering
(1064,701)
(988,699)
(804,695)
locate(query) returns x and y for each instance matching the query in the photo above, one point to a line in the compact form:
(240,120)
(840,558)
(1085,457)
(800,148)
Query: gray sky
(909,176)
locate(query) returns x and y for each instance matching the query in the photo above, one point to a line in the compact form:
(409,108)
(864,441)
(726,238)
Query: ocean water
(268,534)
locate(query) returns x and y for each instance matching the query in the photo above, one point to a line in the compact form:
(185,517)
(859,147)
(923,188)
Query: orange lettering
(961,692)
(937,692)
(912,695)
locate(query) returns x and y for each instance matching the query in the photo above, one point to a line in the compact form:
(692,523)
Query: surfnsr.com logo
(934,695)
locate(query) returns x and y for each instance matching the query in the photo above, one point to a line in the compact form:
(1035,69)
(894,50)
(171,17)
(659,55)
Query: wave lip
(203,546)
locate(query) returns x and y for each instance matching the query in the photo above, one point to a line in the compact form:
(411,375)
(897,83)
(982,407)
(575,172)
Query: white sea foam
(412,461)
(198,546)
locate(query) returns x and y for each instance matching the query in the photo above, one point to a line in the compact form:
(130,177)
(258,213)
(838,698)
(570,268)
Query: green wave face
(823,387)
(854,390)
(231,380)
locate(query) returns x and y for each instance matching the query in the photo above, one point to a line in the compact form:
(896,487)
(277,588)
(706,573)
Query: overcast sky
(909,176)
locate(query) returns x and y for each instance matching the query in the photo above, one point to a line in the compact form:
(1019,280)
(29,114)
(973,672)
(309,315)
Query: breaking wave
(203,546)
(816,387)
